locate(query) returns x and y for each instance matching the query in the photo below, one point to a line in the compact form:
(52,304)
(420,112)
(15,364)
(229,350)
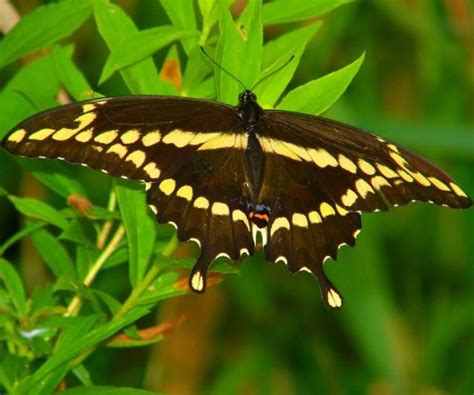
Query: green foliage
(48,333)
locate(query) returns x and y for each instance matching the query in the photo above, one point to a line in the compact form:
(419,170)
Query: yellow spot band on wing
(186,192)
(167,186)
(151,138)
(333,298)
(238,215)
(219,208)
(378,182)
(221,141)
(347,164)
(17,136)
(178,137)
(106,137)
(458,191)
(41,134)
(137,158)
(84,136)
(326,210)
(366,167)
(322,158)
(152,170)
(314,217)
(300,220)
(201,202)
(130,137)
(279,223)
(363,187)
(349,198)
(118,149)
(438,184)
(386,171)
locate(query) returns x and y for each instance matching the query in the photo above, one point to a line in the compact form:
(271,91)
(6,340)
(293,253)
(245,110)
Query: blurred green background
(408,322)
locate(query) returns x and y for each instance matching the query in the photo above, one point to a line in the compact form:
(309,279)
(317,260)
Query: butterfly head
(247,97)
(259,214)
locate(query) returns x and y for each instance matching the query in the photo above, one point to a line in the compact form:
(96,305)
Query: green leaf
(37,209)
(164,287)
(140,228)
(297,10)
(80,337)
(210,13)
(12,369)
(115,26)
(83,375)
(181,14)
(80,231)
(53,253)
(238,41)
(138,46)
(42,27)
(13,285)
(275,54)
(318,95)
(99,390)
(71,78)
(197,68)
(30,228)
(56,175)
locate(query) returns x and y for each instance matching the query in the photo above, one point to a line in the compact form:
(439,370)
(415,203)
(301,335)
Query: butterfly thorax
(250,113)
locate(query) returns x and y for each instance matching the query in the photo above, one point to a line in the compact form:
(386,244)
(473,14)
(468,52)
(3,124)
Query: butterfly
(229,176)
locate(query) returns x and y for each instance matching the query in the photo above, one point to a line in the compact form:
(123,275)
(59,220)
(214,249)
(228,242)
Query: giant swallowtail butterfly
(223,174)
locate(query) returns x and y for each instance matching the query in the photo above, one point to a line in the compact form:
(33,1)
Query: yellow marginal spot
(197,281)
(299,220)
(349,198)
(222,141)
(153,208)
(167,186)
(137,158)
(341,211)
(201,202)
(322,158)
(458,191)
(366,167)
(97,148)
(17,136)
(238,215)
(333,298)
(84,136)
(280,148)
(219,208)
(347,164)
(186,192)
(314,217)
(152,170)
(407,177)
(386,171)
(363,187)
(399,160)
(130,136)
(106,137)
(41,134)
(201,138)
(118,149)
(151,138)
(178,137)
(438,184)
(300,151)
(393,147)
(378,182)
(88,107)
(326,210)
(279,223)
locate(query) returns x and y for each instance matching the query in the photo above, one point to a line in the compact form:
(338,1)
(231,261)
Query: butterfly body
(222,175)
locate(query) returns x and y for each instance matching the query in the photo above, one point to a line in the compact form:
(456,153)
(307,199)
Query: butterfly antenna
(273,72)
(222,68)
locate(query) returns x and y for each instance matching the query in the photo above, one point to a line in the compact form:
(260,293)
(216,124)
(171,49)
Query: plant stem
(104,233)
(76,302)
